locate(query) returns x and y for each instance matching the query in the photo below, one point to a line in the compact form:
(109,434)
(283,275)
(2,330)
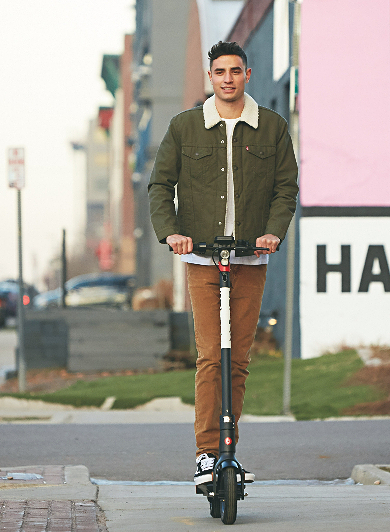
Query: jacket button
(238,223)
(219,223)
(222,197)
(222,169)
(235,167)
(221,125)
(234,140)
(222,141)
(237,196)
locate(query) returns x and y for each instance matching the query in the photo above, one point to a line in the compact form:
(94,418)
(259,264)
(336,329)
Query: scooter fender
(229,463)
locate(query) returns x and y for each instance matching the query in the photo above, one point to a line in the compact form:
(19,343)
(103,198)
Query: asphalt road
(323,450)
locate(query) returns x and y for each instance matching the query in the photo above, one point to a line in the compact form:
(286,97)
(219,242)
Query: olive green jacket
(193,156)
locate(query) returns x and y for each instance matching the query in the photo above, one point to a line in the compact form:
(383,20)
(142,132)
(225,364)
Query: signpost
(16,179)
(294,128)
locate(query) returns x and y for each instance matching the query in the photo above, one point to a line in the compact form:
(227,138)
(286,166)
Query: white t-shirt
(230,211)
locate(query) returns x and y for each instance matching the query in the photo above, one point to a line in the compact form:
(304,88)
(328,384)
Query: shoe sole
(206,479)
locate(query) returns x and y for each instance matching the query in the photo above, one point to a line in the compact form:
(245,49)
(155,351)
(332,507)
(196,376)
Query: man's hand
(180,244)
(267,241)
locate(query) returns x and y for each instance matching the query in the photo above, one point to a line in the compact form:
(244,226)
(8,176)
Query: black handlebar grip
(200,248)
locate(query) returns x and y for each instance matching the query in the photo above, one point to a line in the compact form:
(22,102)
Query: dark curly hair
(227,48)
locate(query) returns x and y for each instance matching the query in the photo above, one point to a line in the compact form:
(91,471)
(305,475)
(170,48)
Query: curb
(47,483)
(77,475)
(369,474)
(72,476)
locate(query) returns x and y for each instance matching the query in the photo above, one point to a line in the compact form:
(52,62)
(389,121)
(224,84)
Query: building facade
(117,76)
(265,29)
(345,186)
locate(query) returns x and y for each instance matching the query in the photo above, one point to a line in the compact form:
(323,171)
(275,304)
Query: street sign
(16,172)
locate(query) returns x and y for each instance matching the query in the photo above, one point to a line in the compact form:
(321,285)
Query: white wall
(332,318)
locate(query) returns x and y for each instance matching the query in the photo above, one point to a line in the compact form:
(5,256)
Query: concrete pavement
(62,499)
(271,508)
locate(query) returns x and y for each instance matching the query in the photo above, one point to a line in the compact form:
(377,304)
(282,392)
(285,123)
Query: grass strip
(317,387)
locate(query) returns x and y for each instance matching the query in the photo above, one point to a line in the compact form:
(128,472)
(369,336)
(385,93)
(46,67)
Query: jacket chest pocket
(196,160)
(260,160)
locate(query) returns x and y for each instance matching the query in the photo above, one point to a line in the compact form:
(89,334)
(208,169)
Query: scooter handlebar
(240,247)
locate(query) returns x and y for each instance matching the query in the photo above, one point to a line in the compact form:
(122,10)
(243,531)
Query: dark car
(9,290)
(3,304)
(110,289)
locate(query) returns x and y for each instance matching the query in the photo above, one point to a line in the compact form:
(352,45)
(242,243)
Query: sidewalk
(62,499)
(267,508)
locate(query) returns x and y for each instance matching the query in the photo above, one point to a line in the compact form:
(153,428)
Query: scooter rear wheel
(229,500)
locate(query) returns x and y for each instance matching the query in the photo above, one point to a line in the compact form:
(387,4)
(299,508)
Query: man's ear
(248,74)
(209,73)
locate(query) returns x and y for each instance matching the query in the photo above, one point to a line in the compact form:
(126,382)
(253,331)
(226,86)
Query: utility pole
(21,318)
(63,269)
(290,274)
(16,176)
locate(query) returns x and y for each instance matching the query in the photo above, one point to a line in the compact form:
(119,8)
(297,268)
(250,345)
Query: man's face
(228,77)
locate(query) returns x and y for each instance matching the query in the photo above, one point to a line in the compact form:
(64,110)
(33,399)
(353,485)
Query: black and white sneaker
(204,468)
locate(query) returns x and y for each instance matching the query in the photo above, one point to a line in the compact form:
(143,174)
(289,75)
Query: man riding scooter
(236,175)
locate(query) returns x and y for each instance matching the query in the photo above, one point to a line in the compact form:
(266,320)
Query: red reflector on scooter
(228,441)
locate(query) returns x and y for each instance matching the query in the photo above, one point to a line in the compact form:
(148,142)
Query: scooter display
(228,483)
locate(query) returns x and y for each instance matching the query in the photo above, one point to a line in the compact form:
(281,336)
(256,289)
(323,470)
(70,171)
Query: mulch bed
(51,380)
(377,376)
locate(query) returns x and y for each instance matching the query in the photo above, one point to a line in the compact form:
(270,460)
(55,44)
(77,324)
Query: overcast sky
(50,63)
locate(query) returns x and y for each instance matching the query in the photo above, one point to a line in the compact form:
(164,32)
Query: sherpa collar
(250,113)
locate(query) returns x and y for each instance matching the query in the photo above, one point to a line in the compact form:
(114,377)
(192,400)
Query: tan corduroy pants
(247,286)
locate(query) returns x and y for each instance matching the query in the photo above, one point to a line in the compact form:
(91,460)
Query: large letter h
(344,267)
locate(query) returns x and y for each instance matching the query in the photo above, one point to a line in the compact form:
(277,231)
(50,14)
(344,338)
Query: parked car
(9,290)
(3,303)
(111,289)
(51,298)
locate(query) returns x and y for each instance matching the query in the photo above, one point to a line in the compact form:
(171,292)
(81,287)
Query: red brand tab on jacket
(247,148)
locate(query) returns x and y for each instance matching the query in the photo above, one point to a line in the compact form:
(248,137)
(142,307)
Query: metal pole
(290,274)
(21,353)
(289,320)
(63,269)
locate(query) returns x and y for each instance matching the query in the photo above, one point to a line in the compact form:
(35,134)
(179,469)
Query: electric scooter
(228,483)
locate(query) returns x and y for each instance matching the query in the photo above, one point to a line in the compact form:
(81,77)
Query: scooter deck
(207,490)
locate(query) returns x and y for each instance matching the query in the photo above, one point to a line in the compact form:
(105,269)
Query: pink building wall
(345,103)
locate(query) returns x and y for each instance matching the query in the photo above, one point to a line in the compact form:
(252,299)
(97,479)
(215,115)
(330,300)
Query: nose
(228,78)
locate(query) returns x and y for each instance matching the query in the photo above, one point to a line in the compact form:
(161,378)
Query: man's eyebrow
(223,69)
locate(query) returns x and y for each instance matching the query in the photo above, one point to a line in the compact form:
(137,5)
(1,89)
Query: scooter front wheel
(229,500)
(215,507)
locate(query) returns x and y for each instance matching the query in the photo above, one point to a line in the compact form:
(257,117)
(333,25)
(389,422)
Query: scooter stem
(227,422)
